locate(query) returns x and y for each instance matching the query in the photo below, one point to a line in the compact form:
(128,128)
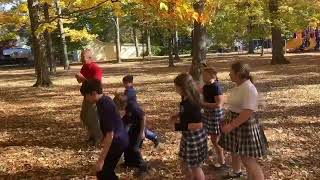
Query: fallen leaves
(41,136)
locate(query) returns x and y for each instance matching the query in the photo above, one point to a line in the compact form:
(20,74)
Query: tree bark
(41,66)
(47,35)
(251,46)
(277,41)
(135,39)
(62,37)
(176,46)
(170,47)
(262,47)
(198,44)
(149,52)
(118,45)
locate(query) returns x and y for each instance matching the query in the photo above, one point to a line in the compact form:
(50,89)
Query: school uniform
(110,121)
(212,117)
(131,94)
(133,119)
(193,144)
(88,114)
(248,139)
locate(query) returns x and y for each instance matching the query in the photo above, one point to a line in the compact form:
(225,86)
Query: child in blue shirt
(115,138)
(131,94)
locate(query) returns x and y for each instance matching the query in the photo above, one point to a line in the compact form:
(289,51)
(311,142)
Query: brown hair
(188,87)
(211,71)
(242,69)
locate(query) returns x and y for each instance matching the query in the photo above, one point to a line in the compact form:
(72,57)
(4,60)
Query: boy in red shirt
(88,115)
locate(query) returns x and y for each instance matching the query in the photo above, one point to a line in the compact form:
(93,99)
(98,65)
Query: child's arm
(106,143)
(195,126)
(142,127)
(80,78)
(219,101)
(243,117)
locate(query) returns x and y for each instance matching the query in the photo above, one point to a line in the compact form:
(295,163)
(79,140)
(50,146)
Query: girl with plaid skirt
(193,145)
(213,111)
(243,135)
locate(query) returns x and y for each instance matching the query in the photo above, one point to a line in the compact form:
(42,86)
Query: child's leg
(253,168)
(110,164)
(197,173)
(186,171)
(219,150)
(236,163)
(133,155)
(152,136)
(93,123)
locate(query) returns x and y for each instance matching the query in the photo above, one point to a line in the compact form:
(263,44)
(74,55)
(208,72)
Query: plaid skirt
(246,140)
(194,148)
(212,119)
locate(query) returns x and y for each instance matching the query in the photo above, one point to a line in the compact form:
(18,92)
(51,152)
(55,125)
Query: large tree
(41,65)
(277,40)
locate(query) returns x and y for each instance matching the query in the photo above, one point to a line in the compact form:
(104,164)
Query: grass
(41,135)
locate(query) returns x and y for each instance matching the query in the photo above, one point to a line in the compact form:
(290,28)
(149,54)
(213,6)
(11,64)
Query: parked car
(17,55)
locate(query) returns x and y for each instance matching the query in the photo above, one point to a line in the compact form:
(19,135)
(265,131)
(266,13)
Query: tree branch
(86,10)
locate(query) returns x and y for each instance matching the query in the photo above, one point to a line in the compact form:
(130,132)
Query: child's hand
(227,128)
(79,77)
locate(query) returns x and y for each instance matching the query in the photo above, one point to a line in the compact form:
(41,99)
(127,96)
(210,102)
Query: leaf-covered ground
(41,136)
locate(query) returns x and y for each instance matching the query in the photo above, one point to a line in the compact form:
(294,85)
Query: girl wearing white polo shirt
(243,135)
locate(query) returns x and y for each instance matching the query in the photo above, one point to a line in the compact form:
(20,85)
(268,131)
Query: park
(42,136)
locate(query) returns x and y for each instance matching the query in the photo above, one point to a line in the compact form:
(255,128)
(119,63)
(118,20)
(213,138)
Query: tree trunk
(277,41)
(198,44)
(251,47)
(62,37)
(250,30)
(149,52)
(170,48)
(262,47)
(47,35)
(41,66)
(135,39)
(176,46)
(118,45)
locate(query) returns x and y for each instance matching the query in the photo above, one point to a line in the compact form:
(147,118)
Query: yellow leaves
(46,26)
(163,6)
(117,8)
(79,35)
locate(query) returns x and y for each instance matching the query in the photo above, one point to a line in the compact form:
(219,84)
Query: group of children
(239,133)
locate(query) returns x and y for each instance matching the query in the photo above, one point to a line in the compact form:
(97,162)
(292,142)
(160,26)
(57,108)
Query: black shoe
(232,175)
(156,142)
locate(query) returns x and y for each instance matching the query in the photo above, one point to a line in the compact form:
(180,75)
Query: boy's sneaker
(220,167)
(232,175)
(156,142)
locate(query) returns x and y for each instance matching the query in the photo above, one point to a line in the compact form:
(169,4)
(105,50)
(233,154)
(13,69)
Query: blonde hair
(188,87)
(211,71)
(84,52)
(120,100)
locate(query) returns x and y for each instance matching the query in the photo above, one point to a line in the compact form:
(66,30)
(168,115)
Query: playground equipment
(303,41)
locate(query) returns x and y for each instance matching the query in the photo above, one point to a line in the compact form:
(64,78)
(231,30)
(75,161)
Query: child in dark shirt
(115,137)
(131,94)
(213,112)
(193,144)
(134,121)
